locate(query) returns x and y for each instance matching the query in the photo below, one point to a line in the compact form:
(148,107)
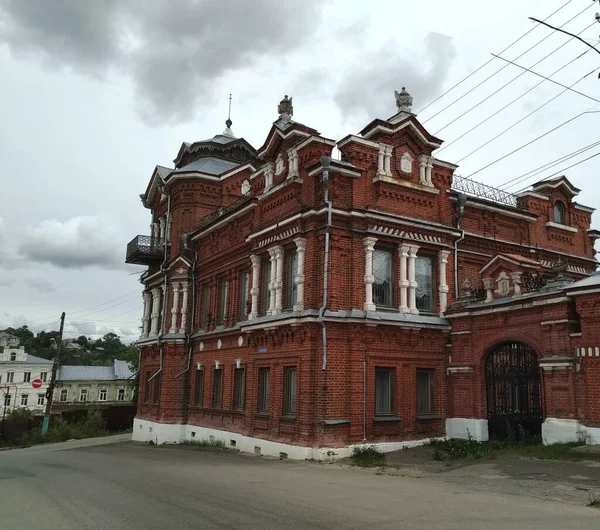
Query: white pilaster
(155,230)
(269,171)
(412,280)
(163,227)
(254,290)
(278,280)
(403,281)
(299,279)
(175,308)
(380,160)
(388,160)
(423,169)
(516,279)
(428,172)
(488,285)
(369,244)
(272,254)
(184,308)
(155,311)
(147,296)
(292,162)
(443,288)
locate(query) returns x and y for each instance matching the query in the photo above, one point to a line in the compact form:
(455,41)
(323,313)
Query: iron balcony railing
(145,249)
(483,191)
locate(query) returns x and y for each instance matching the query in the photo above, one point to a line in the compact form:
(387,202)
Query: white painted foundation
(161,433)
(557,430)
(462,428)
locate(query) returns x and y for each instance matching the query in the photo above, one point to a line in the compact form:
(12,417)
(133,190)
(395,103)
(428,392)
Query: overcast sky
(95,93)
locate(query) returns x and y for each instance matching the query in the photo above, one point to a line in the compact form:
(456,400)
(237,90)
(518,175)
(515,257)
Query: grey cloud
(76,243)
(173,51)
(368,86)
(81,327)
(41,285)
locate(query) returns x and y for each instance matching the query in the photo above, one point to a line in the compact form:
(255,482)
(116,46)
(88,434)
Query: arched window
(559,213)
(13,356)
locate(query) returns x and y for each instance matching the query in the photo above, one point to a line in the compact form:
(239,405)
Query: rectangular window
(238,389)
(10,377)
(27,377)
(121,394)
(44,376)
(7,398)
(205,307)
(384,402)
(263,390)
(41,399)
(382,278)
(217,388)
(222,301)
(424,277)
(244,280)
(289,391)
(63,395)
(24,399)
(102,394)
(265,293)
(83,395)
(157,388)
(199,389)
(291,289)
(425,403)
(147,387)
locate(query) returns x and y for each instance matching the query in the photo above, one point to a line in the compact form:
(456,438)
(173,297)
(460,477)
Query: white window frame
(102,391)
(24,400)
(44,377)
(83,392)
(41,399)
(121,394)
(26,377)
(64,392)
(10,377)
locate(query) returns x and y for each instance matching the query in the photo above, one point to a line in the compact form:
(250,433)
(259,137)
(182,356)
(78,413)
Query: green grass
(206,444)
(368,456)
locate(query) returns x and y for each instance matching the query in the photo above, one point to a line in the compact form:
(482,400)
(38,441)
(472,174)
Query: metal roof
(119,371)
(32,359)
(209,165)
(590,281)
(122,370)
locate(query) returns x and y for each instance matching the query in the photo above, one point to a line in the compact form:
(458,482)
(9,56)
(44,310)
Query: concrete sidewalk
(72,444)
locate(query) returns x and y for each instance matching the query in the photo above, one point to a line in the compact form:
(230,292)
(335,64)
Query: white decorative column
(428,172)
(154,316)
(147,296)
(278,281)
(388,160)
(269,170)
(412,280)
(380,160)
(272,254)
(163,227)
(423,169)
(292,163)
(516,279)
(369,244)
(403,282)
(254,290)
(299,279)
(443,288)
(184,308)
(155,230)
(488,285)
(175,308)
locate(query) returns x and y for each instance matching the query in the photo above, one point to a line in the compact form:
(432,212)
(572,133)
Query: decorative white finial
(404,100)
(285,109)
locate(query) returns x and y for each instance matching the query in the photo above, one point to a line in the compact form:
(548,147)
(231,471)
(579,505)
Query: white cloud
(75,243)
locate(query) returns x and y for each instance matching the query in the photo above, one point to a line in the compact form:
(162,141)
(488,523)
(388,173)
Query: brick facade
(396,304)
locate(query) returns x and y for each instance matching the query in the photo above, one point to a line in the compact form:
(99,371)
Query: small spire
(404,100)
(228,122)
(285,109)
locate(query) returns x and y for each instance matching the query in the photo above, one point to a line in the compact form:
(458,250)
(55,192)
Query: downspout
(365,397)
(325,162)
(462,199)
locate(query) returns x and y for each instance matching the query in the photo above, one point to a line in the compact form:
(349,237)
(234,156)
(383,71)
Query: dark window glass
(263,390)
(243,307)
(217,389)
(265,293)
(559,213)
(291,289)
(424,277)
(425,392)
(238,389)
(199,389)
(289,391)
(382,278)
(222,301)
(383,391)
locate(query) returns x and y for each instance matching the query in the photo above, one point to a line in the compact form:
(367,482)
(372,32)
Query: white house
(8,341)
(18,371)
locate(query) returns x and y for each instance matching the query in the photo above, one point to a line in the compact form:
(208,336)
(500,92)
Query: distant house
(9,341)
(18,371)
(94,384)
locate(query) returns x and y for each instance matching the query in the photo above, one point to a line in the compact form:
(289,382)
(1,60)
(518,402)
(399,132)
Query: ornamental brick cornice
(405,234)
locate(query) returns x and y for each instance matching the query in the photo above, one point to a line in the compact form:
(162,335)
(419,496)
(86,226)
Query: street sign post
(36,383)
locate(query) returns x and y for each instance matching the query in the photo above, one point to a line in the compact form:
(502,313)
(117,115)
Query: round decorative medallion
(201,346)
(240,341)
(219,344)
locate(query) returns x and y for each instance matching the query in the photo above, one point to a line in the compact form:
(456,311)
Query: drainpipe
(325,162)
(462,199)
(365,397)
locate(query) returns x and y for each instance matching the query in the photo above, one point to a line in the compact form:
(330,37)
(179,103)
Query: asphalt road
(130,486)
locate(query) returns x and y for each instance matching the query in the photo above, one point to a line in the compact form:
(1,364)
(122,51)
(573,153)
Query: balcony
(145,250)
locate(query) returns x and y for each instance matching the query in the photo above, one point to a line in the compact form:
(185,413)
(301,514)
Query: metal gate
(514,395)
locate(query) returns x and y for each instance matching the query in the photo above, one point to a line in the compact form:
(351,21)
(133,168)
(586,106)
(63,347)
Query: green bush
(368,456)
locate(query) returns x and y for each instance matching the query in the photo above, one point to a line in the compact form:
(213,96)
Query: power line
(540,169)
(535,139)
(564,169)
(498,71)
(525,117)
(512,81)
(566,33)
(491,60)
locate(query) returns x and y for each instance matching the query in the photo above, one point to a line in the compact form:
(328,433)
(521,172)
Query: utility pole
(50,391)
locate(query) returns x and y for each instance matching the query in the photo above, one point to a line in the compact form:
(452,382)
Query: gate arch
(514,389)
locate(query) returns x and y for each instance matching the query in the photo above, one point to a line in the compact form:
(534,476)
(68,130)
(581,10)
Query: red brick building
(299,304)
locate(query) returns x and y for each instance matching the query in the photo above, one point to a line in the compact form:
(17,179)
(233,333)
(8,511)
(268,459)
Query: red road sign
(36,383)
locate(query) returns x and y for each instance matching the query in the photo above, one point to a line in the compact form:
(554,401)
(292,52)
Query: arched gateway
(514,394)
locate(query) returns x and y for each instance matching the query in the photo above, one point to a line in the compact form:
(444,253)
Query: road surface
(121,485)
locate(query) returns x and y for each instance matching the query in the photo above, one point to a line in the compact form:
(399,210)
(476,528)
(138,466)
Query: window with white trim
(24,399)
(41,399)
(10,377)
(26,377)
(424,278)
(63,395)
(121,394)
(102,394)
(382,278)
(83,395)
